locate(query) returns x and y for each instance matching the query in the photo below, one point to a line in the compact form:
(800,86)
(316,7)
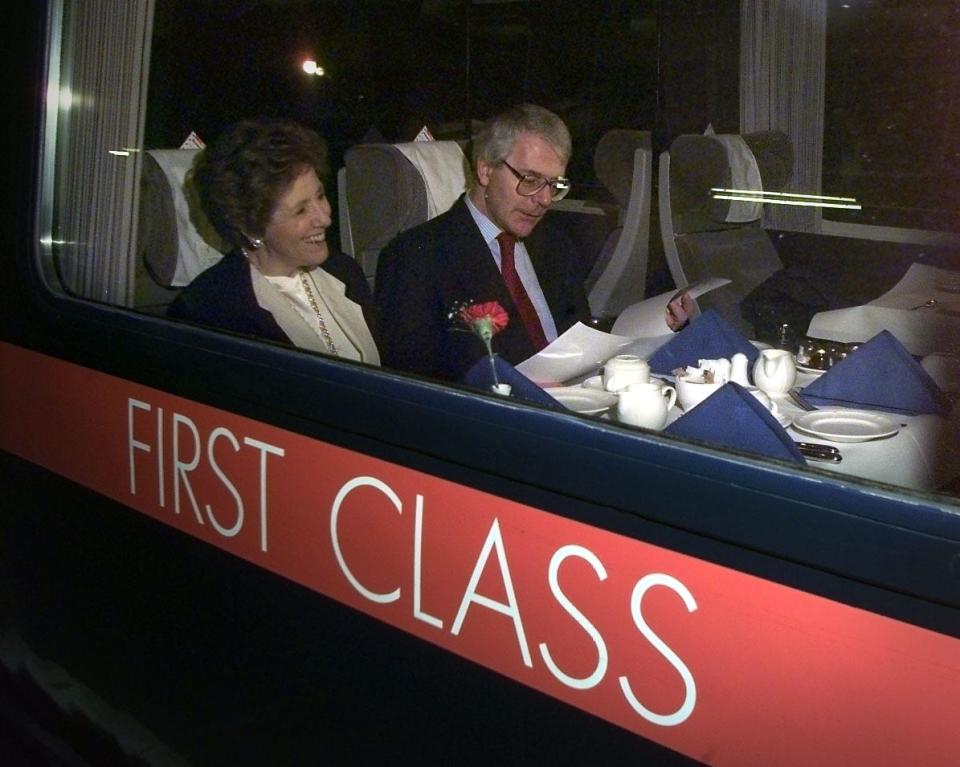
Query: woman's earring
(256,243)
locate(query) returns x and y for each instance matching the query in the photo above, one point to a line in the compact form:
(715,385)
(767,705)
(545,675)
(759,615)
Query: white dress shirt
(527,275)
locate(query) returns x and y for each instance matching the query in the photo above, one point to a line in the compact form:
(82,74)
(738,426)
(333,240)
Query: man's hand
(679,311)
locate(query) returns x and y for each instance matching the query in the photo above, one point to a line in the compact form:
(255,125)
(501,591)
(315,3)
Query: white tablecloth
(923,455)
(904,311)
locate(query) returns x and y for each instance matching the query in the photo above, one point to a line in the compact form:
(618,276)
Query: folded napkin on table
(880,375)
(480,376)
(709,336)
(732,417)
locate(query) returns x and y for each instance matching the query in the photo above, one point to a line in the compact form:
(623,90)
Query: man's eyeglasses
(527,186)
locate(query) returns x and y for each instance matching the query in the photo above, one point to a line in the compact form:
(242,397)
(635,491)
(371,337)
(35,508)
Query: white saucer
(844,425)
(583,400)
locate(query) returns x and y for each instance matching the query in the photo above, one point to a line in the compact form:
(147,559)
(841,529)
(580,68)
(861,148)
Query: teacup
(623,370)
(692,391)
(646,404)
(761,396)
(769,403)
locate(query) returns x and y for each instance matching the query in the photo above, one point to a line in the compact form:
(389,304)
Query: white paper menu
(640,329)
(648,318)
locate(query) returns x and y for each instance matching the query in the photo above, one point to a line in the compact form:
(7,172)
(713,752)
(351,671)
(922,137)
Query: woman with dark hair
(260,184)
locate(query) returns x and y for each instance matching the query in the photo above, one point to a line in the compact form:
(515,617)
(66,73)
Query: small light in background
(311,68)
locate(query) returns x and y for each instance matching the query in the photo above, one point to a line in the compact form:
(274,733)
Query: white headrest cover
(443,168)
(194,253)
(745,175)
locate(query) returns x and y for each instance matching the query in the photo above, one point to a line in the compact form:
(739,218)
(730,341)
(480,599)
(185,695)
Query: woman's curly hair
(240,176)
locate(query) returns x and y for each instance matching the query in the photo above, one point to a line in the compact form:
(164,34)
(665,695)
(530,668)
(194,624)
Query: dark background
(395,65)
(669,66)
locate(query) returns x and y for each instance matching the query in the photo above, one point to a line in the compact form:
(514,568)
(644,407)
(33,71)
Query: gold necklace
(324,333)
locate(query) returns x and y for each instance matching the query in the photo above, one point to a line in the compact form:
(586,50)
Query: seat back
(704,236)
(175,241)
(385,189)
(624,164)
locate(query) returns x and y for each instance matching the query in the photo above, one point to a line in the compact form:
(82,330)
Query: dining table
(915,451)
(922,310)
(920,452)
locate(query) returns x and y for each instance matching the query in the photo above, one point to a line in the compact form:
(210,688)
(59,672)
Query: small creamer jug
(774,371)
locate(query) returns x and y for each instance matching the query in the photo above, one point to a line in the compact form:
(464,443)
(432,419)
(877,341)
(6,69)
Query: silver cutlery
(817,452)
(798,401)
(926,305)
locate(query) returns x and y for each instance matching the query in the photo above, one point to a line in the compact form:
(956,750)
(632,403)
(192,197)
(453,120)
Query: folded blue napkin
(480,376)
(880,375)
(732,417)
(708,337)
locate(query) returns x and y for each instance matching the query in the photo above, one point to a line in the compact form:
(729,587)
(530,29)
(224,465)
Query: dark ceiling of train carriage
(392,66)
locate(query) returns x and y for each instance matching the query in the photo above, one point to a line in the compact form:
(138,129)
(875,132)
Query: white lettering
(511,610)
(264,448)
(417,560)
(596,676)
(348,488)
(227,532)
(133,444)
(682,713)
(161,481)
(181,468)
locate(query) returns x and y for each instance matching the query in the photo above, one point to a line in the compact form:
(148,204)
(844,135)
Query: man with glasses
(489,246)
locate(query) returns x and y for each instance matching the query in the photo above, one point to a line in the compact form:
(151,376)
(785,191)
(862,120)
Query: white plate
(843,425)
(581,400)
(810,371)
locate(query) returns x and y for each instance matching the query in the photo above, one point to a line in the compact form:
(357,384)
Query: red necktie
(528,314)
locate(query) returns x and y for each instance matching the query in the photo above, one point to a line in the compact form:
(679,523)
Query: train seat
(175,241)
(708,237)
(623,161)
(385,189)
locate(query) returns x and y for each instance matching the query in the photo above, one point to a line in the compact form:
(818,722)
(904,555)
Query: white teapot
(775,371)
(646,404)
(623,370)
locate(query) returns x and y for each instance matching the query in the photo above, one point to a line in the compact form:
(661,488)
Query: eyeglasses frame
(521,177)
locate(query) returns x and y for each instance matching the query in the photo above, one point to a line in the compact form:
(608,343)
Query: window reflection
(891,121)
(666,69)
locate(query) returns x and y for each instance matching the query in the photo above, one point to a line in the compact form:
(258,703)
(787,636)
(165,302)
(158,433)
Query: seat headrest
(613,160)
(393,187)
(700,163)
(443,168)
(176,238)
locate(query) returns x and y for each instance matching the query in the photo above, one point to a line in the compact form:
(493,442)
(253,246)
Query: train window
(94,124)
(124,129)
(890,121)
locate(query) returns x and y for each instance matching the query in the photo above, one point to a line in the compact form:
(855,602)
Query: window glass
(892,112)
(381,71)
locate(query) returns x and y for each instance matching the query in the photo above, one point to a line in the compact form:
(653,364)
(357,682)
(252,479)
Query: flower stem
(493,364)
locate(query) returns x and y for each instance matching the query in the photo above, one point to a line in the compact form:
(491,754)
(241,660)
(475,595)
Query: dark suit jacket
(426,270)
(222,297)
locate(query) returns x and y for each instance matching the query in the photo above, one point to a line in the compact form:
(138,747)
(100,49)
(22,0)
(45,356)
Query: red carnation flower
(486,319)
